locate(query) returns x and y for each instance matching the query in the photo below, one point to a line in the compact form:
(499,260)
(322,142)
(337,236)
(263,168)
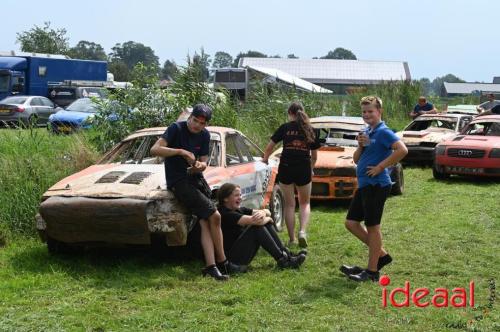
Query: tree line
(124,56)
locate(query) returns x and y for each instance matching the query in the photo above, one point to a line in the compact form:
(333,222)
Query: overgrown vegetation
(31,161)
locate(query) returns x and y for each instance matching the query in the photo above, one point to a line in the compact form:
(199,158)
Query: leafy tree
(222,60)
(119,70)
(438,82)
(292,56)
(131,53)
(426,85)
(340,53)
(169,70)
(200,62)
(43,40)
(249,54)
(88,51)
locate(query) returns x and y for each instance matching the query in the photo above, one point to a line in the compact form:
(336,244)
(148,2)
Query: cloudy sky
(434,37)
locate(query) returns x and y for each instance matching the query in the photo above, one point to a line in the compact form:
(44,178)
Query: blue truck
(33,74)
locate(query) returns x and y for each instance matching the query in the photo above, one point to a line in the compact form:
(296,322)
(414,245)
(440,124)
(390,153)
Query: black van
(64,95)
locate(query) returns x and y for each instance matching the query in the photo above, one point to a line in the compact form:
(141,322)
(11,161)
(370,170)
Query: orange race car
(123,199)
(335,171)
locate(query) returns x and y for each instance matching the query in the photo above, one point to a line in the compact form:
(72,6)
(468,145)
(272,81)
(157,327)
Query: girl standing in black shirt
(295,169)
(246,230)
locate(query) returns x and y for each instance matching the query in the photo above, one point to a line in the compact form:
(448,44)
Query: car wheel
(32,121)
(438,175)
(277,208)
(398,178)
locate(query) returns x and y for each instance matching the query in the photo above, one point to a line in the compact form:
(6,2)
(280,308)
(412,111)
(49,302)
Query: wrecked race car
(335,171)
(423,134)
(123,198)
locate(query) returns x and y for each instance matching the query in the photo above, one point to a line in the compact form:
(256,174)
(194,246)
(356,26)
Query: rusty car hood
(410,137)
(333,157)
(145,181)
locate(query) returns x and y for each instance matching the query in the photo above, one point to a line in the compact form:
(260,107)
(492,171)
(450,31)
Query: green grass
(441,234)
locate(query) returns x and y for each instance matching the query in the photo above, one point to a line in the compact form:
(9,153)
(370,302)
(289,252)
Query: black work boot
(214,272)
(228,267)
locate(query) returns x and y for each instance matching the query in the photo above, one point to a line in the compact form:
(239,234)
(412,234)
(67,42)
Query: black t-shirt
(295,147)
(229,224)
(178,136)
(496,110)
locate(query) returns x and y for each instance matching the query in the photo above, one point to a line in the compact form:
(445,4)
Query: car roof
(334,118)
(486,118)
(161,130)
(441,115)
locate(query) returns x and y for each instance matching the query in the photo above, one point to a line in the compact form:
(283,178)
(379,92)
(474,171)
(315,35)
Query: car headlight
(440,150)
(494,153)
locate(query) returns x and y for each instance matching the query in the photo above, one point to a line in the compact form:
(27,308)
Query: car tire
(277,208)
(438,175)
(397,177)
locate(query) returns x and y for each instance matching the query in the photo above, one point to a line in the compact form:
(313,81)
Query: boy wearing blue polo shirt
(378,148)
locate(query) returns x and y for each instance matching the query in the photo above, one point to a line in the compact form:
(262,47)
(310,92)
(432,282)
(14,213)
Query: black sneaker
(383,261)
(213,271)
(347,270)
(228,267)
(292,262)
(365,275)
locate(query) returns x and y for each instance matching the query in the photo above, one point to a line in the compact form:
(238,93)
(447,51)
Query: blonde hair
(371,100)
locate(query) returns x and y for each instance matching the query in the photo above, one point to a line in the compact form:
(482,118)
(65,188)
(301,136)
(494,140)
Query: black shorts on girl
(368,204)
(298,173)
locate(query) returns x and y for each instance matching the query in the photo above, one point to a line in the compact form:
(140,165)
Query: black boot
(228,267)
(347,270)
(214,272)
(292,262)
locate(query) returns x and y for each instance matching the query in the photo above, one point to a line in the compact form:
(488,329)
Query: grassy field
(441,234)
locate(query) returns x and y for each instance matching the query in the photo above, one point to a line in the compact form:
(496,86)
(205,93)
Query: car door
(46,110)
(36,109)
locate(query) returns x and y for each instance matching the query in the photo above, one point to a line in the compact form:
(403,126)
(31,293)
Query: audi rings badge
(464,153)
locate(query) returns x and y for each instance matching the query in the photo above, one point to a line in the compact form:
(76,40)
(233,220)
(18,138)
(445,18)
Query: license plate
(64,129)
(3,110)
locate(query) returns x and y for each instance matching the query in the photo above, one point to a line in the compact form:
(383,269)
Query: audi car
(476,151)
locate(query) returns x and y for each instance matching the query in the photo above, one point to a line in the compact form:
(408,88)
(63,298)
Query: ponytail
(303,121)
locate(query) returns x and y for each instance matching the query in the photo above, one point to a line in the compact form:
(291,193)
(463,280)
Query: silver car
(25,110)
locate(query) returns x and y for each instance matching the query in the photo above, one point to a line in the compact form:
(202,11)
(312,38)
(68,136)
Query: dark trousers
(248,243)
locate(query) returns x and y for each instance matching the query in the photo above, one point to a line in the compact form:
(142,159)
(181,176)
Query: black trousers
(248,243)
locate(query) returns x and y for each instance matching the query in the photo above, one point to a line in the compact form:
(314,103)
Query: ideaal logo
(423,297)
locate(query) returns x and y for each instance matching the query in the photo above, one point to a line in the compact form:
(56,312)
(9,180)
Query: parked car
(76,116)
(335,171)
(26,110)
(476,151)
(123,198)
(423,134)
(64,95)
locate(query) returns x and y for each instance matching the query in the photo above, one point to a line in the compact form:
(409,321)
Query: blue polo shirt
(381,140)
(426,108)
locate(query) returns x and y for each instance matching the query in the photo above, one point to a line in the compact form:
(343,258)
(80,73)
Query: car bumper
(326,188)
(117,221)
(14,118)
(462,166)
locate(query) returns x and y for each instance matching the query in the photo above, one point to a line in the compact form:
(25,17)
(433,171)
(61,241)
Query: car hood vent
(110,177)
(136,177)
(458,138)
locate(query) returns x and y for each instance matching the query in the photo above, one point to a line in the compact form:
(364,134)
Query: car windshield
(137,151)
(14,100)
(340,136)
(483,129)
(426,124)
(84,105)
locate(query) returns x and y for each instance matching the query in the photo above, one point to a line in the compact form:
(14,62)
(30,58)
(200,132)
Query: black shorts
(298,173)
(368,204)
(189,193)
